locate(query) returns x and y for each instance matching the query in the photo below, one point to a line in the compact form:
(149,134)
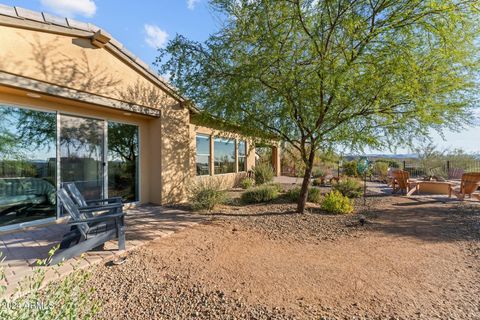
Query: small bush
(69,298)
(349,187)
(247,183)
(293,194)
(206,194)
(314,195)
(318,172)
(350,168)
(263,173)
(259,194)
(336,203)
(277,186)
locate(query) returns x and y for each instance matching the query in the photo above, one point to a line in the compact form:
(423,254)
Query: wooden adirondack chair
(402,182)
(90,231)
(78,198)
(469,184)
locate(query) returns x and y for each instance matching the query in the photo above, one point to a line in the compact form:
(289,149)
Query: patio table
(432,187)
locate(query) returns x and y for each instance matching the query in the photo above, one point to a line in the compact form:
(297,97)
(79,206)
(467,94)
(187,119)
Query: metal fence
(449,169)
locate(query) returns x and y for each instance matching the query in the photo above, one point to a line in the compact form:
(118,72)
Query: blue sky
(146,24)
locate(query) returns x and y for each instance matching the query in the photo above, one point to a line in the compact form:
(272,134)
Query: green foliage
(206,194)
(263,193)
(314,195)
(247,183)
(318,172)
(276,186)
(318,182)
(349,187)
(350,168)
(336,203)
(367,75)
(263,173)
(65,299)
(380,169)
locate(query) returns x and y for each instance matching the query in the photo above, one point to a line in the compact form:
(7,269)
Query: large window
(224,155)
(123,161)
(27,165)
(242,156)
(203,155)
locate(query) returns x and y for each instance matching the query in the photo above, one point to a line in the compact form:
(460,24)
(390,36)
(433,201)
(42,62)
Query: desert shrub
(349,187)
(293,194)
(206,194)
(314,195)
(318,172)
(263,173)
(276,186)
(247,183)
(336,203)
(65,299)
(317,182)
(350,168)
(259,194)
(380,169)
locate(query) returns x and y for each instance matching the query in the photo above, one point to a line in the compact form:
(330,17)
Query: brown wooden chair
(402,182)
(468,186)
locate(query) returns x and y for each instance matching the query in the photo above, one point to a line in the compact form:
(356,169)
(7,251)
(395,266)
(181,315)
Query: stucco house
(76,105)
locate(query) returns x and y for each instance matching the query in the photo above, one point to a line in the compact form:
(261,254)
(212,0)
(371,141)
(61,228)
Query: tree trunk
(302,200)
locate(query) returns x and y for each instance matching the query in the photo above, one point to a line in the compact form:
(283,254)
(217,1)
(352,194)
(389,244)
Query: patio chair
(468,186)
(78,198)
(91,232)
(402,182)
(455,173)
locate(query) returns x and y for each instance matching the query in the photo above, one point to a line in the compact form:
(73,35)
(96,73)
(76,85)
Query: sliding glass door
(27,165)
(40,150)
(123,154)
(82,154)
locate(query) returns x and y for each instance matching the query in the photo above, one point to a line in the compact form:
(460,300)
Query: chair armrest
(114,199)
(102,206)
(101,218)
(98,208)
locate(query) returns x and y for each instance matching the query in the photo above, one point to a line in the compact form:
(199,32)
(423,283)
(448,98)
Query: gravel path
(414,259)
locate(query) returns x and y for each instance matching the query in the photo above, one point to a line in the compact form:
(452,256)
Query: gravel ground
(411,260)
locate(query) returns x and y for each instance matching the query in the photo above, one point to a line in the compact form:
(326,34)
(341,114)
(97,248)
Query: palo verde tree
(322,74)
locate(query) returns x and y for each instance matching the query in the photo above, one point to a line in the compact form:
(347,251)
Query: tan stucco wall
(75,63)
(227,180)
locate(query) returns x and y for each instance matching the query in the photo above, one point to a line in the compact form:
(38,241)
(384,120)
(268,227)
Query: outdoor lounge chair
(78,198)
(402,182)
(469,184)
(91,231)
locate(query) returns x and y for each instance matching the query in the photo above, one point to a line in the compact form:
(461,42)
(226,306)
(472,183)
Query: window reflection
(27,165)
(224,155)
(242,156)
(123,161)
(203,155)
(81,154)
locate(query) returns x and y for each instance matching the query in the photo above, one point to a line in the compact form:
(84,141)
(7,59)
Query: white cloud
(70,8)
(192,3)
(156,37)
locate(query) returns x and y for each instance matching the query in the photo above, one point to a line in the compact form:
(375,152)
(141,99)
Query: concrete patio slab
(22,249)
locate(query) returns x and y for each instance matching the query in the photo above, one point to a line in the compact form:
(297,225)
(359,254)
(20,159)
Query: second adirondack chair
(468,186)
(402,182)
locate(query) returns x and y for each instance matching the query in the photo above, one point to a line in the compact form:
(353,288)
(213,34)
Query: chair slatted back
(401,177)
(455,173)
(75,193)
(470,182)
(72,210)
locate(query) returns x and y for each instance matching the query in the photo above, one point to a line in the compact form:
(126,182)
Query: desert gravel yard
(413,259)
